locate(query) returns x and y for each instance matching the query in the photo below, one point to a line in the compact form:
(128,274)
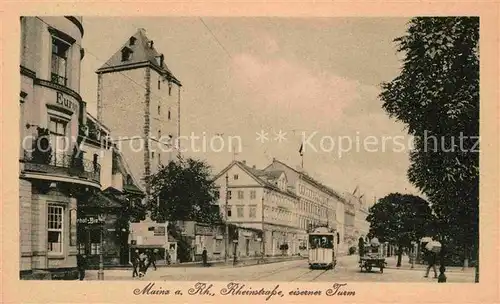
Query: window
(253,212)
(95,242)
(152,155)
(170,88)
(218,246)
(57,129)
(217,194)
(253,194)
(60,50)
(169,116)
(229,209)
(159,110)
(126,54)
(55,229)
(229,194)
(235,177)
(159,83)
(239,211)
(240,194)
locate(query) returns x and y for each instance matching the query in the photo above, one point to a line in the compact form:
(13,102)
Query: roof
(264,178)
(142,54)
(308,178)
(103,200)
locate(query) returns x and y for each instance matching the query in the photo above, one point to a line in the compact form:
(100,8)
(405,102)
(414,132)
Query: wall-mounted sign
(72,227)
(67,102)
(92,220)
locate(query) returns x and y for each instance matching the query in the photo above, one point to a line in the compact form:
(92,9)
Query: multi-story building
(261,200)
(138,98)
(53,179)
(317,204)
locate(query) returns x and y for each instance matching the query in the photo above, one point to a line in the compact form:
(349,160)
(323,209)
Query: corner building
(51,181)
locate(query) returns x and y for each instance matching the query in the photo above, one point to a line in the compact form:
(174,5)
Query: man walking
(204,256)
(81,262)
(430,258)
(151,258)
(135,263)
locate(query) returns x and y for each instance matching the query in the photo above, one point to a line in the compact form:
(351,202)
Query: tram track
(276,271)
(309,272)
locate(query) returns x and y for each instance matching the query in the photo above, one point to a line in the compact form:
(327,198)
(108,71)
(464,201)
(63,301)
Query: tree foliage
(400,219)
(186,192)
(437,96)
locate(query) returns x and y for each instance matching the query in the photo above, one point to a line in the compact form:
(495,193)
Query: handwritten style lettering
(299,292)
(148,290)
(237,289)
(337,290)
(201,289)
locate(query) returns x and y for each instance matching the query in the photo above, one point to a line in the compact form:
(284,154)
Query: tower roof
(143,53)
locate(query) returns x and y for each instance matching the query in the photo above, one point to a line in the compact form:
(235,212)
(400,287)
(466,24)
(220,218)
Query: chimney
(253,167)
(244,162)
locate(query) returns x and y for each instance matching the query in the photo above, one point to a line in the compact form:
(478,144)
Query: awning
(100,200)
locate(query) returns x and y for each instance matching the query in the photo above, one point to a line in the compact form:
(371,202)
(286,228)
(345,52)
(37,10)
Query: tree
(437,96)
(184,191)
(400,219)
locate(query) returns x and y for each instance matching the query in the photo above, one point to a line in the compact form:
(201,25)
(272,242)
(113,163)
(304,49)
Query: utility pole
(263,233)
(226,215)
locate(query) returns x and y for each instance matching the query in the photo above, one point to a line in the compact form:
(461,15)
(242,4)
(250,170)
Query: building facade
(317,204)
(262,200)
(138,98)
(53,179)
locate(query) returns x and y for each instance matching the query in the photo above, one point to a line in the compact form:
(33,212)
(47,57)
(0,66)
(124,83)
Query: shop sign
(66,101)
(92,220)
(203,230)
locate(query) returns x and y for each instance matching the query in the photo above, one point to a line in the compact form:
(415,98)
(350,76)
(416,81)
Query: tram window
(321,241)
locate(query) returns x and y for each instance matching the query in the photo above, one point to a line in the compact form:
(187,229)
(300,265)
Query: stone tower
(138,99)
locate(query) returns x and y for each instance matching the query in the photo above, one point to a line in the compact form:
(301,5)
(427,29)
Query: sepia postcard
(263,152)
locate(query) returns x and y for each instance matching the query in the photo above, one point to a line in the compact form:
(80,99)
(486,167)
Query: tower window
(170,88)
(132,40)
(159,83)
(126,54)
(159,109)
(169,117)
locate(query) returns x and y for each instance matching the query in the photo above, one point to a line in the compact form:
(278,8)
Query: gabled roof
(142,54)
(309,179)
(264,178)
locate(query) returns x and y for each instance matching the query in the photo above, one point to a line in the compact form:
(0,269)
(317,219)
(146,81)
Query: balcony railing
(58,79)
(61,163)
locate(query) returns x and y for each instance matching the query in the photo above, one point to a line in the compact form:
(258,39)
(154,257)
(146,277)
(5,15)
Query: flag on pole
(301,148)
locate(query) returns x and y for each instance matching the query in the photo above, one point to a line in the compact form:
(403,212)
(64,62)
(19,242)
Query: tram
(323,248)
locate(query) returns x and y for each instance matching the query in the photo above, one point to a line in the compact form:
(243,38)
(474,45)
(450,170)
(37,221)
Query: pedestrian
(135,263)
(151,258)
(167,256)
(143,264)
(430,258)
(361,247)
(204,256)
(81,262)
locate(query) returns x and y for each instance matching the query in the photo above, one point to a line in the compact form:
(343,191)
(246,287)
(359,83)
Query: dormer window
(126,54)
(132,40)
(151,43)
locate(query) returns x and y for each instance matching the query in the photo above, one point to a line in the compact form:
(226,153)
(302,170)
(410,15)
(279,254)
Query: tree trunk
(400,255)
(418,254)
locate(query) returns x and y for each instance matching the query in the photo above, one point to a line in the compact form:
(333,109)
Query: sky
(315,79)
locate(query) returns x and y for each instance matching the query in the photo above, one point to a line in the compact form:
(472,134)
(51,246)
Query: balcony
(61,164)
(58,79)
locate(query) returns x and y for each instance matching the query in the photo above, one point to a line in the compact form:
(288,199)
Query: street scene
(249,149)
(347,270)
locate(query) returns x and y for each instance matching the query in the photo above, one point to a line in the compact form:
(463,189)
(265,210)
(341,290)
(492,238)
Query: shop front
(100,231)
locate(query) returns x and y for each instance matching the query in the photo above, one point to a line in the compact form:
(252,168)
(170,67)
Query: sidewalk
(405,264)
